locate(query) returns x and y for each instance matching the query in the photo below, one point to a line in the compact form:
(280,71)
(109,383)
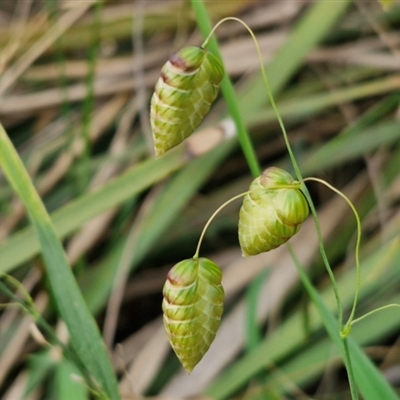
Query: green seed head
(272,212)
(192,307)
(183,95)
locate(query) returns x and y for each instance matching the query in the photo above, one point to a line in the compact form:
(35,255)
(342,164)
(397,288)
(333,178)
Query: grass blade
(84,334)
(67,219)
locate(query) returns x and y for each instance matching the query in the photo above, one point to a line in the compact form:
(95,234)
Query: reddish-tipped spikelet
(272,212)
(183,95)
(192,307)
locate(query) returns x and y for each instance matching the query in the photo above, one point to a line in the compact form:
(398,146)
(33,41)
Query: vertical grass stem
(228,92)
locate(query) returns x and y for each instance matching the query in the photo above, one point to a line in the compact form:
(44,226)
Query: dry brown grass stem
(16,32)
(91,232)
(19,67)
(103,117)
(15,347)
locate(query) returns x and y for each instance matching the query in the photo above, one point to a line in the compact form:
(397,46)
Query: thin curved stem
(300,178)
(308,198)
(357,249)
(28,306)
(266,83)
(196,255)
(296,168)
(220,22)
(354,321)
(292,158)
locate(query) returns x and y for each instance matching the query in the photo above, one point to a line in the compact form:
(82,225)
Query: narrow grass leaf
(348,147)
(84,334)
(23,245)
(253,330)
(235,111)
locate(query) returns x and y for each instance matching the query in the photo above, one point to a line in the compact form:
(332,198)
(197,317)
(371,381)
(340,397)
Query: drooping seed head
(192,307)
(183,95)
(272,212)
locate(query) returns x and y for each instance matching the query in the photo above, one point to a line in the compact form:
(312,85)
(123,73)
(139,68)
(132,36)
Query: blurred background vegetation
(75,82)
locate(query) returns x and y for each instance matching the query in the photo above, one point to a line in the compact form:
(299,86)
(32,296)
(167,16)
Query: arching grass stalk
(393,305)
(345,329)
(205,26)
(196,255)
(347,326)
(349,368)
(210,42)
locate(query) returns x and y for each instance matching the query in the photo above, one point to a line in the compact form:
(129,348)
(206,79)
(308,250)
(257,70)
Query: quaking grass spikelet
(183,95)
(192,307)
(272,212)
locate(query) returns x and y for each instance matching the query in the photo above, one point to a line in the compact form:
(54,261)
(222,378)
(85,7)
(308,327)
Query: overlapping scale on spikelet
(183,95)
(271,213)
(192,307)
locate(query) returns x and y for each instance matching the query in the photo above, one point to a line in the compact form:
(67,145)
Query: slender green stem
(318,303)
(303,188)
(354,321)
(196,255)
(28,306)
(349,368)
(357,250)
(267,86)
(228,92)
(205,27)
